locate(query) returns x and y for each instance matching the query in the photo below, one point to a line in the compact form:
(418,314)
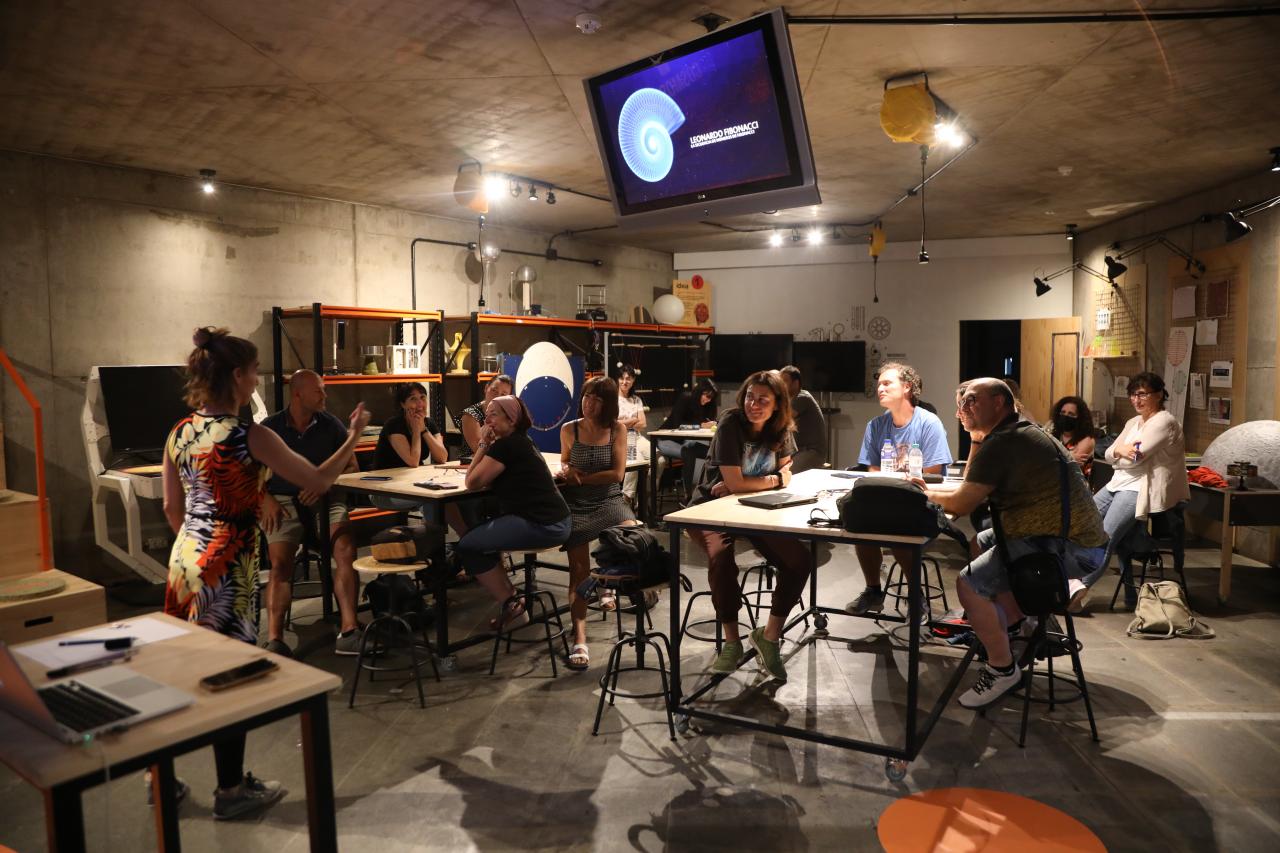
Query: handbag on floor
(1162,614)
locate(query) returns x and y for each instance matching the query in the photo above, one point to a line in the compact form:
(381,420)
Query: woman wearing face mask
(1072,424)
(751,452)
(1150,474)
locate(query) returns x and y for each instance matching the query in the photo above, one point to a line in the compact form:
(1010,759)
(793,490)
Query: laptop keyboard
(82,708)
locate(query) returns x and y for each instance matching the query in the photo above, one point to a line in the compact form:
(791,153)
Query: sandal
(608,602)
(579,658)
(515,617)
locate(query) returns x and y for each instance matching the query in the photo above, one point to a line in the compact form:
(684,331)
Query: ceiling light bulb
(947,133)
(551,197)
(1275,159)
(533,192)
(493,187)
(1071,232)
(924,256)
(490,251)
(515,189)
(815,236)
(206,181)
(775,239)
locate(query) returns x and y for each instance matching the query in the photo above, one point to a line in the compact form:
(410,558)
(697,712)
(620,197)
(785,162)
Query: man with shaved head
(288,512)
(1015,466)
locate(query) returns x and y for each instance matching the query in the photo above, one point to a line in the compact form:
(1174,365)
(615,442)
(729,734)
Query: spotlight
(795,235)
(775,239)
(515,189)
(1236,227)
(493,187)
(1115,269)
(948,133)
(1041,287)
(1071,232)
(1275,159)
(815,236)
(533,192)
(206,181)
(924,256)
(551,197)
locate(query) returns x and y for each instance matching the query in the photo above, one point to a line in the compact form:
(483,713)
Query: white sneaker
(990,686)
(1078,592)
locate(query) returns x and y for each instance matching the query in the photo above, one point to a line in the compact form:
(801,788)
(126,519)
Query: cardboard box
(19,534)
(81,604)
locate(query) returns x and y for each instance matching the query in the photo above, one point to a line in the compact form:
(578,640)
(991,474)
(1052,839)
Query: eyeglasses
(1140,395)
(967,402)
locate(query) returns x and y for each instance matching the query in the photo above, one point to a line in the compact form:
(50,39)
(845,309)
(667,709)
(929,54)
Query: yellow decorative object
(458,352)
(877,241)
(908,114)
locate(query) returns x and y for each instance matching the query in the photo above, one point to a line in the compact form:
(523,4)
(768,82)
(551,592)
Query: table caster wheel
(681,723)
(820,623)
(448,663)
(895,769)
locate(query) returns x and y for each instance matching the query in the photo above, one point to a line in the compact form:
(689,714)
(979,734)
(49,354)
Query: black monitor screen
(143,402)
(839,366)
(735,357)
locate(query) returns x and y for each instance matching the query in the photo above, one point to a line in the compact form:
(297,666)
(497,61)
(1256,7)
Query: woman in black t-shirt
(531,512)
(410,438)
(751,452)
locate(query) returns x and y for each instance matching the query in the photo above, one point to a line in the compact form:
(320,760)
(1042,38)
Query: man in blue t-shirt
(903,424)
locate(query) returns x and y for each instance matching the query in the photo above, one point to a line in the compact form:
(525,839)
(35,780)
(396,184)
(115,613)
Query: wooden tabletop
(178,662)
(726,512)
(690,434)
(452,475)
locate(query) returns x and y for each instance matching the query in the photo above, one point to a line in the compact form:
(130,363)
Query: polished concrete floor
(1189,757)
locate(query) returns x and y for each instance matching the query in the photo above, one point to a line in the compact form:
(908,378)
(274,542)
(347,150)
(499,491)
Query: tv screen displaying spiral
(713,126)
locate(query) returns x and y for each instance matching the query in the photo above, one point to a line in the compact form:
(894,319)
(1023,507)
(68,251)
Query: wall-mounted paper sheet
(1206,333)
(1220,374)
(1184,302)
(1197,391)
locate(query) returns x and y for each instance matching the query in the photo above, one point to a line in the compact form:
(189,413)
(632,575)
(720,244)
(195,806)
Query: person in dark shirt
(752,452)
(409,438)
(288,512)
(693,408)
(531,512)
(811,428)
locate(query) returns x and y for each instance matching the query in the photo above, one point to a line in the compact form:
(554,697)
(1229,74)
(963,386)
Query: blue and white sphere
(544,381)
(645,125)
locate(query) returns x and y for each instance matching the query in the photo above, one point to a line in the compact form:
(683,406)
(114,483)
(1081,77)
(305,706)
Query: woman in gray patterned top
(471,421)
(593,458)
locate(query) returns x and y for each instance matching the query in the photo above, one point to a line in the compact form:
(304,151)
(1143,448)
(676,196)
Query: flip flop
(514,618)
(579,657)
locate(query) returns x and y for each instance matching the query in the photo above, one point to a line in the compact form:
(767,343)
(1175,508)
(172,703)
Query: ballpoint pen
(84,666)
(111,644)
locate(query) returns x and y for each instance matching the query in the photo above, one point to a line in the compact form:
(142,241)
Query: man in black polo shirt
(314,434)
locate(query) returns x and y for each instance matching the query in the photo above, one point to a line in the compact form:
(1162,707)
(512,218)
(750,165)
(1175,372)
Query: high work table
(63,772)
(728,516)
(656,435)
(452,475)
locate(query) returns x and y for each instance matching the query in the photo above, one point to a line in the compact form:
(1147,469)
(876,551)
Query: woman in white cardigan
(1150,475)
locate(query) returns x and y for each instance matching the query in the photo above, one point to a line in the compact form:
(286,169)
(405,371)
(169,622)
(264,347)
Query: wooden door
(1050,363)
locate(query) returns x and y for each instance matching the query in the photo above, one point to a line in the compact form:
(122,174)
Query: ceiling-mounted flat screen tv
(838,366)
(711,127)
(735,357)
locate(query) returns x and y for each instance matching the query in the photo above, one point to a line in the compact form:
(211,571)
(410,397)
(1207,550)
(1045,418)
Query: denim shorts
(989,577)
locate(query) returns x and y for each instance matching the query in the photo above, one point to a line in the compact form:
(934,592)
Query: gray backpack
(1162,613)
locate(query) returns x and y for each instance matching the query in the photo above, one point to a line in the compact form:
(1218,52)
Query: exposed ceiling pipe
(1117,17)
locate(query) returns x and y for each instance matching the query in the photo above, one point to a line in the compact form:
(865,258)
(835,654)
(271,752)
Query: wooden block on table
(80,604)
(19,534)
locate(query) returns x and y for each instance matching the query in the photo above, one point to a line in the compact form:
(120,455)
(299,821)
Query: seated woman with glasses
(1150,474)
(1071,422)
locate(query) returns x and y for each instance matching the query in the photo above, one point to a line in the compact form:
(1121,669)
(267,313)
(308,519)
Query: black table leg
(64,820)
(322,824)
(325,547)
(913,645)
(674,531)
(164,793)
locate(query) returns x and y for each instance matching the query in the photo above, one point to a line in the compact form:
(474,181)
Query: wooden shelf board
(351,312)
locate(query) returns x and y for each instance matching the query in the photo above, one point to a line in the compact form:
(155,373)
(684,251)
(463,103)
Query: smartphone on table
(256,668)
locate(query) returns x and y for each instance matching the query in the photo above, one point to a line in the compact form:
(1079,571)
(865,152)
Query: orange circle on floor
(975,820)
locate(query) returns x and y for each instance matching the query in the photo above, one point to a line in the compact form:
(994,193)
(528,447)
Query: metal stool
(393,623)
(1164,533)
(530,596)
(640,639)
(896,588)
(687,627)
(764,586)
(1045,645)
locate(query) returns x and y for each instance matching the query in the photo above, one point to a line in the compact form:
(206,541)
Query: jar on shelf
(371,356)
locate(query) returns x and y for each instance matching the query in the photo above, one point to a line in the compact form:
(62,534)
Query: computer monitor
(735,357)
(837,366)
(711,127)
(142,402)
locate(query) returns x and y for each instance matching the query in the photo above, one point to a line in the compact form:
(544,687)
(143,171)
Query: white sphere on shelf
(668,309)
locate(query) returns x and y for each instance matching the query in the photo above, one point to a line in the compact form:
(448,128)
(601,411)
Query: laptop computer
(92,703)
(776,500)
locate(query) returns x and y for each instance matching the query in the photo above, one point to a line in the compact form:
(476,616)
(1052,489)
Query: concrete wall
(1263,249)
(114,266)
(795,290)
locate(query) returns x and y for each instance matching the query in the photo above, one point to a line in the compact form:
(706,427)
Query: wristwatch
(779,486)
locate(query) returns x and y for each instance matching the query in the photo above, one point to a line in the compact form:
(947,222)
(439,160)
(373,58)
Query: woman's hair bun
(202,337)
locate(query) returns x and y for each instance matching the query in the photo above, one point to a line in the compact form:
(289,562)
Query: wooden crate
(81,604)
(19,534)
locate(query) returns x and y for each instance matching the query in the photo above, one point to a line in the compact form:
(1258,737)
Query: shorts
(290,531)
(988,576)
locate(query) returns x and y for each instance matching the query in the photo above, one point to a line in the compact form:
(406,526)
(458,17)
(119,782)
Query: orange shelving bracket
(46,538)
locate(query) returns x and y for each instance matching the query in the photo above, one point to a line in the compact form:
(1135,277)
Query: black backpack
(890,506)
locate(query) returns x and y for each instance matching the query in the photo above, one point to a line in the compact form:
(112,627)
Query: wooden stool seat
(372,565)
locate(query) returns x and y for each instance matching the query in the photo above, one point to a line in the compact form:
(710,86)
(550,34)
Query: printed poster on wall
(1177,368)
(695,293)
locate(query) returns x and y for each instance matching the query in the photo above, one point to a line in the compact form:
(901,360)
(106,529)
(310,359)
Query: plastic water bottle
(915,461)
(888,461)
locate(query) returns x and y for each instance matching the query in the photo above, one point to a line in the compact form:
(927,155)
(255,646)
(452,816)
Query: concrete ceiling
(378,101)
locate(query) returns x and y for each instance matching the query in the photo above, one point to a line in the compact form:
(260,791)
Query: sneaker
(869,601)
(1078,592)
(279,647)
(348,642)
(729,658)
(179,795)
(769,655)
(249,796)
(990,686)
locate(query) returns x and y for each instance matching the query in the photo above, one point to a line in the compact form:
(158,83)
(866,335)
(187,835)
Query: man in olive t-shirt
(1017,468)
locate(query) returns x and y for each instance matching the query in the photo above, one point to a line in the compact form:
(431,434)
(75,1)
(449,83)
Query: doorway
(988,348)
